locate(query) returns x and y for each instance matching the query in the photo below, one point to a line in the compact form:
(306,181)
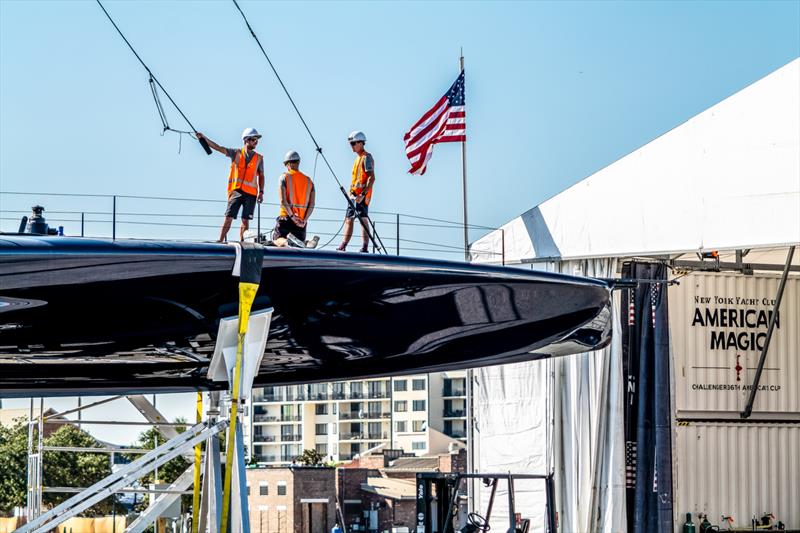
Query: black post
(512,518)
(114,219)
(82,224)
(551,504)
(397,236)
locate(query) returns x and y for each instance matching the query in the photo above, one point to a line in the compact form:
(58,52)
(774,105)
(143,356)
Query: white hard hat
(250,132)
(291,156)
(357,136)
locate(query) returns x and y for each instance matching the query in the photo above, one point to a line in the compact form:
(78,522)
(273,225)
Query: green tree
(13,465)
(60,468)
(311,458)
(73,469)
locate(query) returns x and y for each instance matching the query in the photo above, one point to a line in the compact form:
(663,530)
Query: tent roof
(727,178)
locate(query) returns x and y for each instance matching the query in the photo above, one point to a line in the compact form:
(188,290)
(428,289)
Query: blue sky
(555,91)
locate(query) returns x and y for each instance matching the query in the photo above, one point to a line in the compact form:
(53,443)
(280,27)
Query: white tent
(727,179)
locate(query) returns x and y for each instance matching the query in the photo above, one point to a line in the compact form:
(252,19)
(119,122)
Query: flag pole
(464,172)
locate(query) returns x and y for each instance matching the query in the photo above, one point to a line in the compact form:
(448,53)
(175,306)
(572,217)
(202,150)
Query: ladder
(124,477)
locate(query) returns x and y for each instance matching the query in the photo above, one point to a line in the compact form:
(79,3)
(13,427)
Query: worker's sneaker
(342,248)
(364,249)
(312,243)
(294,241)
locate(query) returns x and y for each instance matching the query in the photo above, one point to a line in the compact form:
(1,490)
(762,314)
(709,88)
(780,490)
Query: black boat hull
(95,317)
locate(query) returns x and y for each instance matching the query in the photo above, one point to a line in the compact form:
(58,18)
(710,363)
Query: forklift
(437,497)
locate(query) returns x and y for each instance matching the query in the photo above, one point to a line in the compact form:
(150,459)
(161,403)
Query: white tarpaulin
(519,411)
(727,178)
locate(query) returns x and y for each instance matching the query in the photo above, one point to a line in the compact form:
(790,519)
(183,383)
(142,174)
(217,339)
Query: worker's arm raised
(212,144)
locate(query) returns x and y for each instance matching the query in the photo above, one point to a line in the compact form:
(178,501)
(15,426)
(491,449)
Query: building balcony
(291,438)
(454,392)
(454,413)
(361,415)
(265,458)
(456,433)
(265,418)
(378,394)
(264,438)
(364,436)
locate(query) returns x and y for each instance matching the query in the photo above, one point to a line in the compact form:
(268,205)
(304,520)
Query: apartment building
(342,419)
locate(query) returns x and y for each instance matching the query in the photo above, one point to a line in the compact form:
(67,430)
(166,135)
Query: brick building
(295,499)
(378,490)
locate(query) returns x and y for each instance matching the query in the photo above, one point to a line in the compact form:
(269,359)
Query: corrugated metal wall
(718,323)
(738,470)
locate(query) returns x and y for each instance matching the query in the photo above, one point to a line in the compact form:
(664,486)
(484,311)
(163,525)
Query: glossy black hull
(92,317)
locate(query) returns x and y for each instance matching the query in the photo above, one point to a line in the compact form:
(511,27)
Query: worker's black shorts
(241,199)
(362,210)
(285,226)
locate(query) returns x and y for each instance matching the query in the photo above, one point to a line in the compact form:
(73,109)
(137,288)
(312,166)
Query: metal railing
(155,217)
(364,415)
(454,413)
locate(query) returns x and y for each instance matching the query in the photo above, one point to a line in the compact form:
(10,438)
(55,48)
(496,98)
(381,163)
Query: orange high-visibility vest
(243,176)
(359,181)
(298,193)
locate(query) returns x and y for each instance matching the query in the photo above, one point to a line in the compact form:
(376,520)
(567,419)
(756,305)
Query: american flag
(444,122)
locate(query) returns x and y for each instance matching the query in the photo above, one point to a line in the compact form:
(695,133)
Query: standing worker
(360,191)
(297,196)
(243,191)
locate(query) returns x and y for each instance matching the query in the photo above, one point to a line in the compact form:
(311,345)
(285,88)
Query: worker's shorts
(241,199)
(285,226)
(362,210)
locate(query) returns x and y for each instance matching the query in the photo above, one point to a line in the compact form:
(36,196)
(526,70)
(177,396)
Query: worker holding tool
(296,191)
(360,191)
(243,191)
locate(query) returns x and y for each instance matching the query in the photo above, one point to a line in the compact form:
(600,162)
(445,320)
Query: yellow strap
(197,458)
(247,293)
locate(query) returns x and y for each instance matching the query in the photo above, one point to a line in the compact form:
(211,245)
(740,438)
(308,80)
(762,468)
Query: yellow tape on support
(198,451)
(247,293)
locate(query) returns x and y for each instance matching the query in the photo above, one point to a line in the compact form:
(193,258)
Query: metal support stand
(748,410)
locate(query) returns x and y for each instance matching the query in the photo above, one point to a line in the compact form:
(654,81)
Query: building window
(419,405)
(321,429)
(248,490)
(418,384)
(401,406)
(400,385)
(334,409)
(282,488)
(321,409)
(263,489)
(322,449)
(419,425)
(418,445)
(400,426)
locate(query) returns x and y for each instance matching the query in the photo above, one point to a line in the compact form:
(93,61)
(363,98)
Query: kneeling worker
(297,203)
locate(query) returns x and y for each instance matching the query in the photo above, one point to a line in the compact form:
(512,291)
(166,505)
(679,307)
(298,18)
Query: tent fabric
(569,404)
(687,190)
(646,363)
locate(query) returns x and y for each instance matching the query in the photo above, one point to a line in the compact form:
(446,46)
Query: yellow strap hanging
(247,293)
(198,451)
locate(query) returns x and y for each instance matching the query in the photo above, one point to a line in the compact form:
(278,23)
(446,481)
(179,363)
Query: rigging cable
(373,235)
(203,142)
